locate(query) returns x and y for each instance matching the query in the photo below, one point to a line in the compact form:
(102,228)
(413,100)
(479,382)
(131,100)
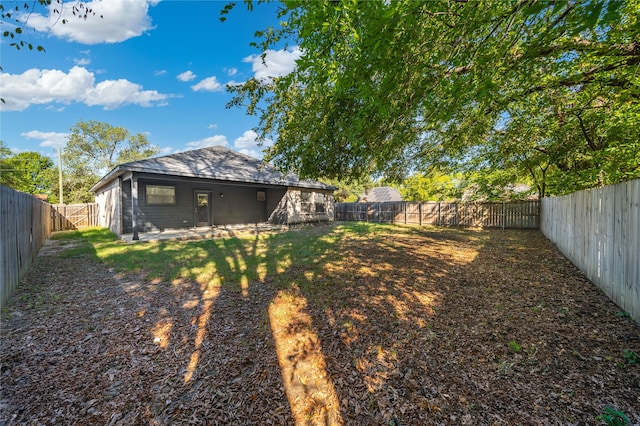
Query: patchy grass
(338,324)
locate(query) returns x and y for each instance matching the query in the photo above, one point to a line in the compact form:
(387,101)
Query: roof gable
(380,194)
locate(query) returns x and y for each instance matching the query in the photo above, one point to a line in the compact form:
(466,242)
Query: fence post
(406,213)
(457,214)
(457,217)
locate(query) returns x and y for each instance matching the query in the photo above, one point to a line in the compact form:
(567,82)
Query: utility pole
(61,201)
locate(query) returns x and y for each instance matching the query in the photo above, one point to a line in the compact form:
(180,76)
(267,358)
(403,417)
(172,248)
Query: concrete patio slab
(207,232)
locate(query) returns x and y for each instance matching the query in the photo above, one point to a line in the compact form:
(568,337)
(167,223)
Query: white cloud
(231,71)
(209,84)
(248,144)
(159,73)
(56,109)
(115,93)
(186,76)
(81,61)
(37,86)
(252,153)
(217,140)
(18,150)
(212,126)
(49,139)
(249,139)
(112,21)
(275,63)
(167,150)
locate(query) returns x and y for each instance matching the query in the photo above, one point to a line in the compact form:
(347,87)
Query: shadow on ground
(336,324)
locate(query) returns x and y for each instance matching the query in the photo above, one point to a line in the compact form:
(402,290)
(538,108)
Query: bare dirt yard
(353,324)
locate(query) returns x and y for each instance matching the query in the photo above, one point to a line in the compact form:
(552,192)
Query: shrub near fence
(520,214)
(25,224)
(599,231)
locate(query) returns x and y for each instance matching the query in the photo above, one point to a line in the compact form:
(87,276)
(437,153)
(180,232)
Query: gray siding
(109,207)
(158,217)
(126,207)
(240,204)
(237,205)
(229,204)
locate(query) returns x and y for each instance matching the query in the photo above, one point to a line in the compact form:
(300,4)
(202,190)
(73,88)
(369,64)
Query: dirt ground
(407,326)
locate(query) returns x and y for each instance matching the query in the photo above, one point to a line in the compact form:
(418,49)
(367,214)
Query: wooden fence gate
(73,216)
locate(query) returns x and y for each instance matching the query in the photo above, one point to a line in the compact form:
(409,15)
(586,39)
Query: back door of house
(203,208)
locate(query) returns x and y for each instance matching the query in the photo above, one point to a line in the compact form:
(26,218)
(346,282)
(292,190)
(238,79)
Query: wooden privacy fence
(516,214)
(25,223)
(599,231)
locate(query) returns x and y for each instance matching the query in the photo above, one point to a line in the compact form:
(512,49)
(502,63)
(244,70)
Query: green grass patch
(298,258)
(224,261)
(89,234)
(515,346)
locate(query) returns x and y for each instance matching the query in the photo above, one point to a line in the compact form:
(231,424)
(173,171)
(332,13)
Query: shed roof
(216,163)
(380,193)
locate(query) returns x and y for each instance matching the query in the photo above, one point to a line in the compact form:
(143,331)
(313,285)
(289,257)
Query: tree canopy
(93,149)
(28,172)
(547,90)
(431,186)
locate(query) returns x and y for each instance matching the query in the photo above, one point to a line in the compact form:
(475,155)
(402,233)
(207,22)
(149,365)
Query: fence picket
(25,224)
(524,214)
(599,231)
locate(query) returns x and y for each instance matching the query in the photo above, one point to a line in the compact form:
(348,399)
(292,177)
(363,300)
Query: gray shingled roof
(215,162)
(380,194)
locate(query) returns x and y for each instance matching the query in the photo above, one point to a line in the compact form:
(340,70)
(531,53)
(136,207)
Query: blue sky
(157,68)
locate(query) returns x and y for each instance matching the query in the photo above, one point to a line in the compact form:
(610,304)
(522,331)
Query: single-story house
(206,187)
(380,194)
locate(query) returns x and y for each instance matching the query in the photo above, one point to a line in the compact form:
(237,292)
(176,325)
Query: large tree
(431,186)
(393,87)
(93,149)
(28,172)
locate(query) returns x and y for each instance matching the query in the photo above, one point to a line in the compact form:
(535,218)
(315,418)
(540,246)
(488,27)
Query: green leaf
(398,88)
(613,14)
(535,8)
(594,9)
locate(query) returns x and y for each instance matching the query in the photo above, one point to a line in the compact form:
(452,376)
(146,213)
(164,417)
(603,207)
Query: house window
(319,203)
(306,206)
(157,194)
(261,196)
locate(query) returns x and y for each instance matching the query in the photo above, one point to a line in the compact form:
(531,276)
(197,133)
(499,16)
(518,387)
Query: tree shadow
(359,324)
